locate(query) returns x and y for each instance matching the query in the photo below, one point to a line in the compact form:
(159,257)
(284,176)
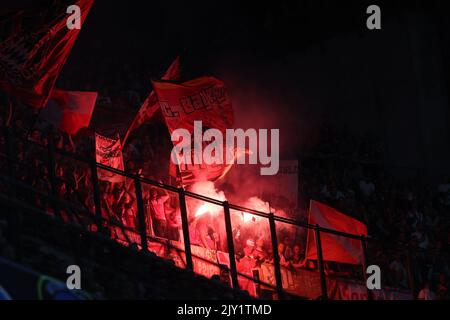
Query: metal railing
(138,180)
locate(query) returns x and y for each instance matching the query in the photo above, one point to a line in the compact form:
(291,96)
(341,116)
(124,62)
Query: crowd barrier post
(185,227)
(276,256)
(320,265)
(51,168)
(141,214)
(364,266)
(96,190)
(232,255)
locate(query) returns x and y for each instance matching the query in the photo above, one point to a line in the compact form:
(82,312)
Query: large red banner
(204,99)
(334,247)
(32,56)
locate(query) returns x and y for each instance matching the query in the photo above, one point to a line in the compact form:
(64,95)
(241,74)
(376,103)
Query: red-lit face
(260,243)
(281,248)
(35,135)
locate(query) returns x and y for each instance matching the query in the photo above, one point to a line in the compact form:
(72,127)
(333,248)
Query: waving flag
(204,99)
(334,248)
(32,55)
(151,104)
(109,153)
(70,110)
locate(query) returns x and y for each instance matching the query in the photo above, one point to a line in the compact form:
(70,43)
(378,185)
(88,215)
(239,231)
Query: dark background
(354,106)
(293,65)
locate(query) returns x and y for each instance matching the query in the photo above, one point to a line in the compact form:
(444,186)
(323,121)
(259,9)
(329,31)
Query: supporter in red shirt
(158,213)
(245,266)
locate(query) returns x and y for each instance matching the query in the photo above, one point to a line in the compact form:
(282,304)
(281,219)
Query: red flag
(204,99)
(334,248)
(174,71)
(32,58)
(109,153)
(70,110)
(151,104)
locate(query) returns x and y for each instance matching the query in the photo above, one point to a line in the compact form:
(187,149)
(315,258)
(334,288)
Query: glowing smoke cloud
(208,189)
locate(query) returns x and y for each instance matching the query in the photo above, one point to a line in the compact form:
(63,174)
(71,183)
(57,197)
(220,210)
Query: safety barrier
(142,236)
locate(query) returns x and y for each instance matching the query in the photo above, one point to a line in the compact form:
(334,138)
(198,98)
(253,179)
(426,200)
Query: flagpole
(71,143)
(127,134)
(180,179)
(10,115)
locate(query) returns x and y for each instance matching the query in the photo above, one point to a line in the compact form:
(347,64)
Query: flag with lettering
(335,248)
(203,99)
(32,54)
(69,110)
(109,153)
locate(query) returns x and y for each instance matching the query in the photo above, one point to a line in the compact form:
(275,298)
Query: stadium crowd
(349,178)
(344,171)
(349,175)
